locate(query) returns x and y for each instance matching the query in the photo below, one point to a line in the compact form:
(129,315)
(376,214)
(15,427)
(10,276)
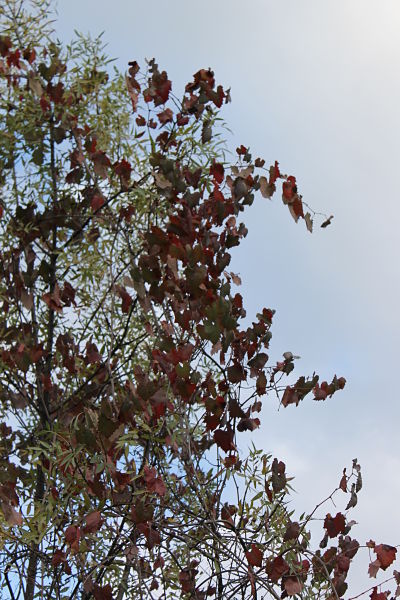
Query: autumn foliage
(129,369)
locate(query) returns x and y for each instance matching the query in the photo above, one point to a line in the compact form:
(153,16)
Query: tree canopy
(129,370)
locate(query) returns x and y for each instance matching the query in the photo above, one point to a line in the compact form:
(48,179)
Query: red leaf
(58,558)
(343,482)
(153,482)
(293,586)
(44,104)
(92,353)
(152,536)
(289,189)
(74,176)
(375,595)
(140,121)
(93,522)
(192,177)
(343,562)
(292,531)
(277,568)
(68,294)
(242,150)
(159,86)
(261,384)
(182,120)
(123,169)
(132,85)
(319,392)
(254,556)
(224,439)
(72,536)
(296,208)
(217,172)
(290,396)
(125,297)
(165,116)
(154,585)
(53,299)
(274,173)
(236,373)
(5,45)
(132,91)
(334,525)
(12,516)
(278,477)
(101,163)
(181,354)
(219,97)
(248,424)
(227,511)
(163,89)
(159,563)
(102,592)
(374,568)
(212,422)
(386,555)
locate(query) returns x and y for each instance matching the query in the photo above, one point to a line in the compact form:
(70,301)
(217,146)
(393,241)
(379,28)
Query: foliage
(127,374)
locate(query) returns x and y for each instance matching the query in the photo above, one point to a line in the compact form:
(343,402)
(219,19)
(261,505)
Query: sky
(315,85)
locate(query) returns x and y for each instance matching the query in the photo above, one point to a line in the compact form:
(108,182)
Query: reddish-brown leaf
(53,299)
(254,556)
(292,531)
(289,189)
(123,169)
(102,592)
(154,483)
(72,536)
(58,558)
(375,595)
(12,516)
(334,525)
(159,563)
(152,536)
(278,477)
(293,586)
(343,481)
(125,297)
(290,396)
(386,555)
(276,568)
(92,354)
(93,522)
(248,424)
(224,439)
(97,202)
(374,567)
(217,172)
(165,116)
(101,164)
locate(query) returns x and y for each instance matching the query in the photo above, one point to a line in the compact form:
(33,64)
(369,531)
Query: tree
(127,374)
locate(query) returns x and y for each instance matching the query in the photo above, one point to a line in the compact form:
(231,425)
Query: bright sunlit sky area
(315,85)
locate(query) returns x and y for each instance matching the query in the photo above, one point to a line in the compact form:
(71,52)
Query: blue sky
(316,86)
